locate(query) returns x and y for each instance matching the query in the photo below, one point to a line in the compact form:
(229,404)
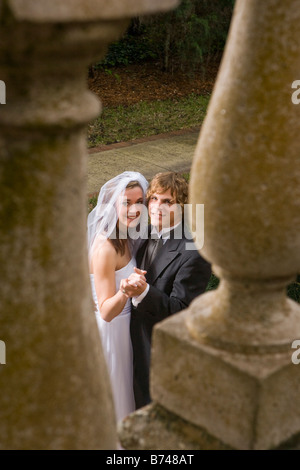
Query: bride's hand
(132,287)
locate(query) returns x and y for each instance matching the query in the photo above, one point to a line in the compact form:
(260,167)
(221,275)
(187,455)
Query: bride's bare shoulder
(108,247)
(105,248)
(104,254)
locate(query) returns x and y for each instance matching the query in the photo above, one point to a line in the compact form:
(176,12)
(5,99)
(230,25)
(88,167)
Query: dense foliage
(183,38)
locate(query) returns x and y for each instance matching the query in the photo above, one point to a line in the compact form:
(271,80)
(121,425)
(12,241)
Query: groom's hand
(140,271)
(138,276)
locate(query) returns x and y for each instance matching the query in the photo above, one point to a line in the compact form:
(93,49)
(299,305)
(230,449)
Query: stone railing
(54,391)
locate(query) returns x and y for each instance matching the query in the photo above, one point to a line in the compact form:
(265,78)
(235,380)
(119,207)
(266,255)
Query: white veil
(102,219)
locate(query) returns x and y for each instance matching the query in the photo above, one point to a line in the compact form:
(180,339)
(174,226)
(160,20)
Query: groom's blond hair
(162,182)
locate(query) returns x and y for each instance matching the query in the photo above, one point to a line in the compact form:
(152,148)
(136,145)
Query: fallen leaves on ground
(147,82)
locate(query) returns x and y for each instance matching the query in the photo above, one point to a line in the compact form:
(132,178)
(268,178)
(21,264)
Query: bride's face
(129,207)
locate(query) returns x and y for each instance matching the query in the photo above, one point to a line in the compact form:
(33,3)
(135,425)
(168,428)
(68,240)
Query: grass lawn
(143,119)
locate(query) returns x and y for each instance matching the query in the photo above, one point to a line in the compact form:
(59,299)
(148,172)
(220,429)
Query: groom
(175,275)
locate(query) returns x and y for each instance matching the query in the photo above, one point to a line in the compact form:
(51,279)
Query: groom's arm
(170,295)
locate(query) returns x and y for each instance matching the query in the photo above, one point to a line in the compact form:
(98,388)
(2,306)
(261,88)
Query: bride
(111,258)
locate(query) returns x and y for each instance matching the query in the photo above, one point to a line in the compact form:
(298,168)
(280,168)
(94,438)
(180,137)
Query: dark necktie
(152,249)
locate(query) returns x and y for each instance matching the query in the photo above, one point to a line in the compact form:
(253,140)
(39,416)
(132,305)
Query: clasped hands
(135,284)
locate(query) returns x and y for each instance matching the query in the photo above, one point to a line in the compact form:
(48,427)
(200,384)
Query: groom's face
(163,210)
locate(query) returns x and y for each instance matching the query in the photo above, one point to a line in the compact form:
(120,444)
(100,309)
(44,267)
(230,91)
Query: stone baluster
(222,374)
(54,389)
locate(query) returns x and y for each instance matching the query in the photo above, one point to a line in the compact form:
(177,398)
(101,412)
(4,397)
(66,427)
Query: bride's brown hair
(119,244)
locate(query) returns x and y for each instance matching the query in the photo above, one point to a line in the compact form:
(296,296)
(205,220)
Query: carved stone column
(222,368)
(54,390)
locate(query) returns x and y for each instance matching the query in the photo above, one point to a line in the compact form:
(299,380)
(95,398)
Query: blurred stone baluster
(54,389)
(222,373)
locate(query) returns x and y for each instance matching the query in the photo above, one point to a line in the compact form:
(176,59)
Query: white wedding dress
(117,347)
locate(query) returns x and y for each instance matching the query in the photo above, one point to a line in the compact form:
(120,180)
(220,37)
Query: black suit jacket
(176,277)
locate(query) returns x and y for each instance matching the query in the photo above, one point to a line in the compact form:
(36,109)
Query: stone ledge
(149,427)
(155,428)
(247,401)
(84,10)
